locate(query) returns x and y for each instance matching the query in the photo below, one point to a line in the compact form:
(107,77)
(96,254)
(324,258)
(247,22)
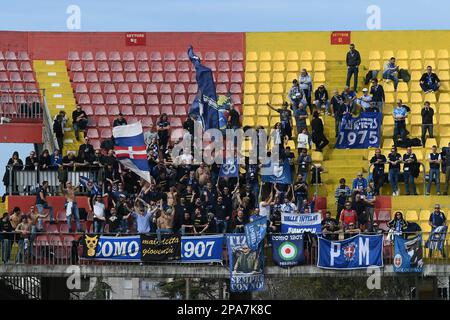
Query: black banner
(168,248)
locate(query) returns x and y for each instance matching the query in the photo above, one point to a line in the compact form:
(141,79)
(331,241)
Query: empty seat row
(140,110)
(291,66)
(17,87)
(13,66)
(283,55)
(411,55)
(106,121)
(152,56)
(13,56)
(15,76)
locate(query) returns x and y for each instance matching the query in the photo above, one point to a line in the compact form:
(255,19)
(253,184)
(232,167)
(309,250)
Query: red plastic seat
(25,66)
(143,66)
(10,55)
(137,88)
(180,110)
(41,240)
(182,56)
(81,88)
(89,66)
(210,56)
(179,88)
(184,78)
(88,110)
(144,78)
(51,228)
(166,99)
(192,88)
(147,122)
(126,110)
(170,77)
(129,66)
(157,77)
(221,89)
(109,88)
(106,133)
(123,88)
(132,120)
(169,56)
(95,88)
(23,56)
(91,77)
(211,65)
(116,66)
(180,99)
(128,56)
(15,77)
(169,67)
(155,56)
(4,77)
(2,66)
(12,66)
(237,56)
(183,67)
(224,67)
(140,110)
(100,110)
(103,66)
(237,67)
(176,122)
(141,56)
(125,99)
(167,110)
(18,87)
(130,77)
(153,110)
(73,56)
(236,78)
(223,56)
(222,78)
(63,227)
(77,77)
(83,99)
(117,77)
(113,110)
(97,99)
(114,56)
(61,216)
(31,88)
(28,77)
(151,88)
(2,57)
(87,56)
(235,88)
(95,143)
(152,99)
(100,56)
(236,98)
(103,122)
(138,99)
(104,77)
(156,67)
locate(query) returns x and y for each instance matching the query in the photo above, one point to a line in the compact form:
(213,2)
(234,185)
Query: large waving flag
(277,173)
(205,103)
(130,149)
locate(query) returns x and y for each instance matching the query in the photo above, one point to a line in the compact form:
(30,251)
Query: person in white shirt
(305,84)
(365,100)
(264,206)
(99,215)
(288,206)
(303,140)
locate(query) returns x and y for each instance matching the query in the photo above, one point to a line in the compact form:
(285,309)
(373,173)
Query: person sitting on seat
(391,72)
(429,82)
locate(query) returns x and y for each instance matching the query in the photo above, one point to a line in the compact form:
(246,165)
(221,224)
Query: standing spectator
(99,215)
(434,158)
(304,163)
(370,199)
(339,109)
(347,216)
(163,133)
(359,183)
(14,163)
(300,116)
(200,222)
(152,133)
(399,114)
(318,136)
(143,218)
(429,82)
(391,72)
(300,190)
(296,95)
(397,225)
(306,86)
(86,151)
(394,159)
(6,237)
(427,121)
(165,221)
(378,161)
(275,222)
(303,140)
(437,219)
(353,61)
(80,121)
(32,161)
(365,100)
(321,99)
(119,121)
(377,92)
(234,121)
(341,195)
(15,217)
(41,201)
(349,97)
(71,207)
(351,230)
(446,166)
(285,119)
(187,225)
(24,230)
(58,130)
(410,161)
(222,214)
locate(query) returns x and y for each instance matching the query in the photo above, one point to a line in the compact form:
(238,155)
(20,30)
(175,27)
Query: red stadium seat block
(125,99)
(138,99)
(143,66)
(113,110)
(61,216)
(170,77)
(383,202)
(167,110)
(142,56)
(144,78)
(109,88)
(237,56)
(116,66)
(100,56)
(89,66)
(114,56)
(137,88)
(123,88)
(104,77)
(140,110)
(103,122)
(100,110)
(131,77)
(106,133)
(111,99)
(103,66)
(87,56)
(156,67)
(92,133)
(224,56)
(128,56)
(182,56)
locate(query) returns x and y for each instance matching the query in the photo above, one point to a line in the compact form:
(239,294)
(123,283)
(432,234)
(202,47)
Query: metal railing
(29,286)
(423,170)
(21,105)
(50,141)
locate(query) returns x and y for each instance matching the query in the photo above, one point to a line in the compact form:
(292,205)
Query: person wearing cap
(321,99)
(391,72)
(120,121)
(80,121)
(365,100)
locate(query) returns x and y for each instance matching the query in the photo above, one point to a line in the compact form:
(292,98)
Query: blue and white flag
(358,252)
(126,248)
(287,249)
(87,183)
(229,169)
(130,149)
(360,132)
(437,238)
(202,249)
(408,254)
(277,173)
(246,265)
(255,232)
(204,105)
(301,223)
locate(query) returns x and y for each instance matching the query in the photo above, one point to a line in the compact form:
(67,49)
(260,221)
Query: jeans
(76,214)
(222,226)
(319,104)
(434,172)
(123,227)
(6,250)
(390,76)
(425,128)
(80,125)
(409,180)
(447,178)
(378,179)
(379,106)
(352,71)
(23,250)
(426,87)
(98,226)
(393,178)
(160,231)
(399,128)
(337,125)
(370,211)
(41,208)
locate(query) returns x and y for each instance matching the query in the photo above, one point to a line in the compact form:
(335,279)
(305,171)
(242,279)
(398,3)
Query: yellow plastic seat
(430,63)
(276,100)
(442,65)
(403,64)
(264,77)
(263,99)
(387,54)
(389,98)
(425,226)
(429,54)
(415,86)
(444,108)
(430,97)
(442,54)
(444,142)
(291,145)
(292,56)
(415,120)
(248,121)
(264,88)
(250,77)
(403,96)
(416,75)
(249,99)
(412,215)
(444,76)
(277,88)
(251,67)
(444,98)
(291,76)
(424,215)
(416,108)
(319,77)
(416,131)
(415,55)
(402,87)
(249,111)
(444,119)
(320,66)
(306,55)
(292,66)
(263,121)
(416,97)
(415,65)
(252,56)
(265,56)
(388,86)
(317,156)
(431,142)
(402,55)
(274,120)
(320,56)
(388,131)
(306,65)
(262,109)
(249,88)
(265,67)
(278,56)
(374,65)
(374,55)
(278,78)
(388,143)
(278,67)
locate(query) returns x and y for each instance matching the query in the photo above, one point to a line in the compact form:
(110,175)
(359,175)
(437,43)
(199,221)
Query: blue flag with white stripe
(277,173)
(255,232)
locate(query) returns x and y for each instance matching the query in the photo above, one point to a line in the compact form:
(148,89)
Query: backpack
(371,74)
(404,75)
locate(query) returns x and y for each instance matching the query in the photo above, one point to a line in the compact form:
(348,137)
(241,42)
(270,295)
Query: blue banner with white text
(277,173)
(361,132)
(408,254)
(203,249)
(98,247)
(358,252)
(301,223)
(255,232)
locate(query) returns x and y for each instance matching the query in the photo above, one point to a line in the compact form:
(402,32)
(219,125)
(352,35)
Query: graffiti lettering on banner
(202,249)
(287,249)
(301,223)
(112,248)
(360,132)
(358,252)
(168,248)
(246,265)
(408,254)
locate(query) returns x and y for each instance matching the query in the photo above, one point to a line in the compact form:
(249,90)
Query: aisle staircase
(52,76)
